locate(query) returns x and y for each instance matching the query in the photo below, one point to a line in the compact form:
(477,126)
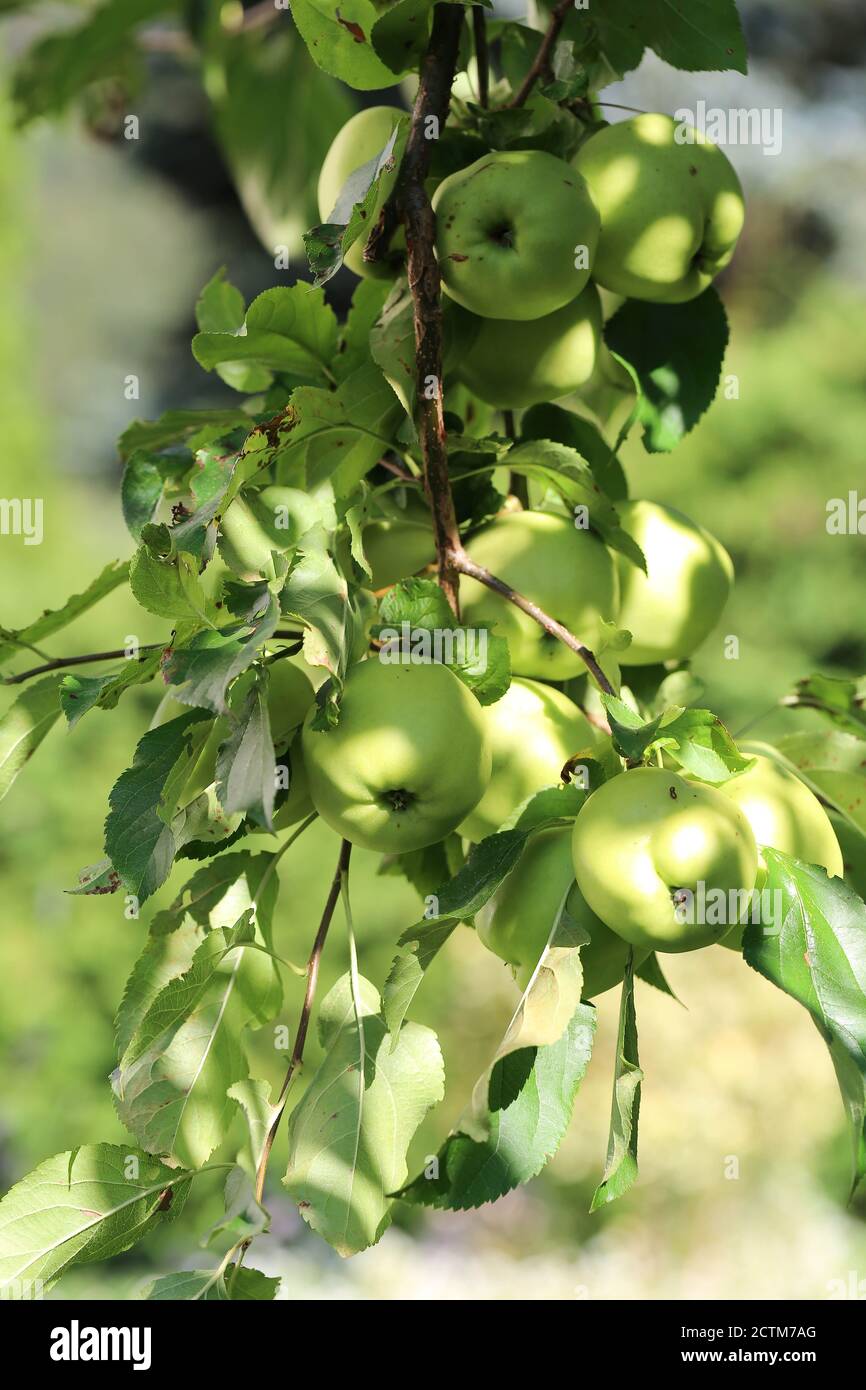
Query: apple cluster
(527,246)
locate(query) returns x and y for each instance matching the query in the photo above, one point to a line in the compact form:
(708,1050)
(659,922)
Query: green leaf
(811,943)
(364,191)
(339,38)
(203,1285)
(368,301)
(562,426)
(620,1170)
(842,701)
(140,492)
(337,436)
(80,1206)
(59,67)
(417,624)
(334,614)
(651,973)
(349,1135)
(172,1081)
(220,307)
(457,900)
(276,115)
(201,670)
(246,760)
(677,351)
(696,35)
(288,329)
(138,841)
(78,694)
(695,738)
(392,345)
(165,956)
(832,764)
(165,579)
(529,1114)
(24,726)
(12,641)
(193,427)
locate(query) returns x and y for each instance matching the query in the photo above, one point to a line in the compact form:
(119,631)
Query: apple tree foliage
(319,403)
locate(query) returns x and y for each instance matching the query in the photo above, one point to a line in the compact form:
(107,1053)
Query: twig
(58,663)
(466,565)
(482,57)
(430,112)
(306,1009)
(541,63)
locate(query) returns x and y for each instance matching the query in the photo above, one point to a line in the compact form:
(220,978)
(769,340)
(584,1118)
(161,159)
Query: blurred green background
(104,245)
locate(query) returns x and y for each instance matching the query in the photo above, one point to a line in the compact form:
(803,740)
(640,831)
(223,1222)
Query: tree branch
(60,662)
(313,964)
(543,56)
(428,117)
(466,565)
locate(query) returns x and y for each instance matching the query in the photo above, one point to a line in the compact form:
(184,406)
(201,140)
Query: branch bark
(543,56)
(58,663)
(413,205)
(306,1010)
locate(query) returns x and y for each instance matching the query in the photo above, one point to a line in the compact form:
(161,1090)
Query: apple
(257,523)
(676,604)
(671,213)
(516,234)
(400,543)
(534,730)
(363,137)
(567,571)
(648,838)
(408,760)
(515,923)
(785,815)
(513,364)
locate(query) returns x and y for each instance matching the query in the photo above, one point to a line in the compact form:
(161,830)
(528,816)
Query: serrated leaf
(80,1206)
(24,725)
(339,38)
(811,943)
(651,973)
(202,1285)
(79,694)
(695,738)
(193,427)
(201,670)
(530,1111)
(416,624)
(842,701)
(696,35)
(562,426)
(287,329)
(677,352)
(140,492)
(171,1086)
(138,841)
(246,761)
(349,1135)
(337,436)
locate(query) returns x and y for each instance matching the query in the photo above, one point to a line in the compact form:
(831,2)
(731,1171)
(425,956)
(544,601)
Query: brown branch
(542,58)
(482,57)
(306,1010)
(429,114)
(466,565)
(60,662)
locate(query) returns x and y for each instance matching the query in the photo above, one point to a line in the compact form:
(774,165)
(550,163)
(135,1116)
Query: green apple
(516,234)
(401,542)
(408,760)
(363,137)
(567,571)
(677,603)
(671,212)
(513,364)
(785,815)
(534,730)
(257,523)
(666,864)
(516,922)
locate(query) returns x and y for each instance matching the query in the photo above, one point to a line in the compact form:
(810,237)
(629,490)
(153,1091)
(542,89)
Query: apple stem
(466,565)
(541,64)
